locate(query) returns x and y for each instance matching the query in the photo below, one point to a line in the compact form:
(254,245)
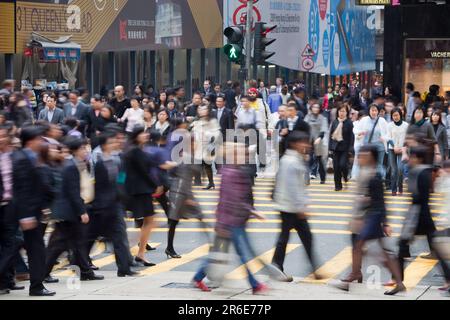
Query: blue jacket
(275,101)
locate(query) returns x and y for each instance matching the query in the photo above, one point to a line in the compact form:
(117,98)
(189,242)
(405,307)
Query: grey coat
(319,128)
(442,140)
(58,116)
(180,191)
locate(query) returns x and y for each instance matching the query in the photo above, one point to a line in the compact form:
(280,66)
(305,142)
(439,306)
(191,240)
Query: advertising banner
(123,25)
(320,36)
(7,26)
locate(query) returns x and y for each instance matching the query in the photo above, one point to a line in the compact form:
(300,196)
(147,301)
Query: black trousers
(404,252)
(68,235)
(291,221)
(35,247)
(9,245)
(340,167)
(108,224)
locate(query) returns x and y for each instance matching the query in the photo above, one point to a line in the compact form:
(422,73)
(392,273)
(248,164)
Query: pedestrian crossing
(329,216)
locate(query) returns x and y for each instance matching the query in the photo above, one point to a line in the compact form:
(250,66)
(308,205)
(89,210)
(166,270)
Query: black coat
(421,197)
(28,187)
(137,168)
(93,123)
(106,190)
(226,121)
(347,135)
(230,96)
(69,205)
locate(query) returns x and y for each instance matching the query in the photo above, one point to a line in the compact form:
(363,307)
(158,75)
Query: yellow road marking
(250,230)
(255,265)
(332,267)
(174,263)
(417,270)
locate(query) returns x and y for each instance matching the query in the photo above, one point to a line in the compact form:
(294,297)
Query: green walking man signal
(233,49)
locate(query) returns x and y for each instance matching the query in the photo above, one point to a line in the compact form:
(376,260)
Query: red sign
(245,1)
(323,8)
(240,15)
(307,64)
(123,30)
(308,52)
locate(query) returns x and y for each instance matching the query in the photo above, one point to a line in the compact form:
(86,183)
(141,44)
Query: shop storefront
(417,46)
(427,62)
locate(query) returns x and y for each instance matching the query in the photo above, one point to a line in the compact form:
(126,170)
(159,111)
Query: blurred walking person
(291,199)
(374,222)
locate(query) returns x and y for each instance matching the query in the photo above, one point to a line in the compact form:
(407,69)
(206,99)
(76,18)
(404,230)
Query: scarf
(420,123)
(337,134)
(399,123)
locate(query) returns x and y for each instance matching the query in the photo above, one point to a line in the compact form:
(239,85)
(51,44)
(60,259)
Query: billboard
(7,26)
(320,36)
(123,25)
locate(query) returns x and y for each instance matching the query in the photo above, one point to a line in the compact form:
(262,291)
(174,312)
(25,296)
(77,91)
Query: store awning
(54,50)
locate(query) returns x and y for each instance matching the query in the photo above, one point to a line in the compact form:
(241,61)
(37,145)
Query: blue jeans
(245,251)
(396,165)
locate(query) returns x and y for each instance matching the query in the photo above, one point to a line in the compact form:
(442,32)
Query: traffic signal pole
(248,44)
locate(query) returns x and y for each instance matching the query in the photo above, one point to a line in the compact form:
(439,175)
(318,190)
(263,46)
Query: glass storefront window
(427,62)
(195,64)
(162,68)
(180,67)
(210,63)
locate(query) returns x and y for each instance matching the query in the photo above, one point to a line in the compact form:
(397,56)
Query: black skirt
(141,205)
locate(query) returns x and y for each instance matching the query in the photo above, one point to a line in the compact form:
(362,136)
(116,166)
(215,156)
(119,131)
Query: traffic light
(261,42)
(233,49)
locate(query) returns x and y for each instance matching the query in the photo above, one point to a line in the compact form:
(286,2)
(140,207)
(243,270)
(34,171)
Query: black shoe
(322,182)
(4,291)
(338,189)
(91,277)
(127,274)
(148,247)
(50,279)
(15,287)
(145,263)
(209,187)
(93,267)
(42,293)
(396,290)
(172,254)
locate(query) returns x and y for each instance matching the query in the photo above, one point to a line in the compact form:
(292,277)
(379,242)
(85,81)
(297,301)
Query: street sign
(240,16)
(307,64)
(308,51)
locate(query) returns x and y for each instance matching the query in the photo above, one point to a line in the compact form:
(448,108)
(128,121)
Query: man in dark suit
(76,109)
(9,246)
(70,211)
(106,218)
(230,95)
(29,192)
(191,111)
(224,115)
(51,113)
(94,120)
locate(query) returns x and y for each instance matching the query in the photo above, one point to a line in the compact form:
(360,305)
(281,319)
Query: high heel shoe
(353,277)
(148,247)
(209,187)
(397,289)
(172,254)
(145,263)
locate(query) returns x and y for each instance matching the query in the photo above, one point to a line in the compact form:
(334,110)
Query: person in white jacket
(374,131)
(396,148)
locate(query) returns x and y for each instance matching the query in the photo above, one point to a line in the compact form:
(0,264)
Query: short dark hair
(71,122)
(222,96)
(420,152)
(31,132)
(76,92)
(97,97)
(370,148)
(416,94)
(297,136)
(410,86)
(73,143)
(104,136)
